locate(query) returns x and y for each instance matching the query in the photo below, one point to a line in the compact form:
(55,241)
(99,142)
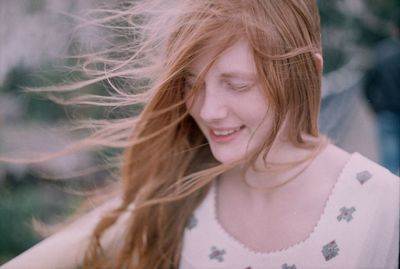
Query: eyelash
(238,88)
(231,86)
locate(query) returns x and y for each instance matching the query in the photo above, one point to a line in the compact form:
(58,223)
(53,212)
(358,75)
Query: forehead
(236,61)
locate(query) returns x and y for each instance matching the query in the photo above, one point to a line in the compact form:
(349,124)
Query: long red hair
(167,166)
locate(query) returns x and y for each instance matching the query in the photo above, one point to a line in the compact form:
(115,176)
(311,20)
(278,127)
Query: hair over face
(167,166)
(284,37)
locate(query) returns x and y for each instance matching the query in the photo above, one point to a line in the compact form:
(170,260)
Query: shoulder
(358,167)
(375,193)
(375,186)
(363,180)
(365,170)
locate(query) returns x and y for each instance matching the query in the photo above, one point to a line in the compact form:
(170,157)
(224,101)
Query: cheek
(257,107)
(263,122)
(259,117)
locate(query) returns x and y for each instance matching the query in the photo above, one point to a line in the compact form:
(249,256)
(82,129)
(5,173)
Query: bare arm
(65,249)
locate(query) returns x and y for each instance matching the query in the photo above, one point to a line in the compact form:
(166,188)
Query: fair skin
(230,109)
(233,115)
(275,220)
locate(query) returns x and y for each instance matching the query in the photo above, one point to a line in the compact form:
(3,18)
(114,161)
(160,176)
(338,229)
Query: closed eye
(237,87)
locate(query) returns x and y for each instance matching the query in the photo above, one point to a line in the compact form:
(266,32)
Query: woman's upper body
(354,223)
(235,95)
(351,223)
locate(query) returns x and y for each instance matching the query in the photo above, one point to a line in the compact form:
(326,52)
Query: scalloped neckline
(234,241)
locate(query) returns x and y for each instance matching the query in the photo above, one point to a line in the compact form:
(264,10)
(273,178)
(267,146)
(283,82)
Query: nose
(213,105)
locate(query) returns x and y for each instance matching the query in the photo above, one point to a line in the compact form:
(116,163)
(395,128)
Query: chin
(226,156)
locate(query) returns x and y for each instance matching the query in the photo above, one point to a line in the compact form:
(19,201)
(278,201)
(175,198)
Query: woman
(225,166)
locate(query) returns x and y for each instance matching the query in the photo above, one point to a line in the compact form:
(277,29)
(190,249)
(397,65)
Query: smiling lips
(224,135)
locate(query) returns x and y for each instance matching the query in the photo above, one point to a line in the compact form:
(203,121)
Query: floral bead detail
(363,176)
(346,213)
(217,254)
(330,250)
(192,222)
(286,266)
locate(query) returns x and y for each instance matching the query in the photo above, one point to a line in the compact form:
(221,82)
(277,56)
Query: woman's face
(230,108)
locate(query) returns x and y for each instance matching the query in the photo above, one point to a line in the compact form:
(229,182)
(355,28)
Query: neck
(285,162)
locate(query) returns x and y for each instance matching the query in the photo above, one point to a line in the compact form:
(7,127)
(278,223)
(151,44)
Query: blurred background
(35,37)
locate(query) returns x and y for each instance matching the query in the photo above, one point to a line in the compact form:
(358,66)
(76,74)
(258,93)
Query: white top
(359,228)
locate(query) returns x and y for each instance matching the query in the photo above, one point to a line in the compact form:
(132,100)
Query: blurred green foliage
(23,199)
(359,29)
(36,107)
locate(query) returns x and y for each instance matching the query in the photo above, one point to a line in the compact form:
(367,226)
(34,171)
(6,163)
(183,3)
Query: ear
(319,62)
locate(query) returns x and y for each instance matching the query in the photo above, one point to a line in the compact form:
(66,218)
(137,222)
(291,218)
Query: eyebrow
(230,75)
(246,76)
